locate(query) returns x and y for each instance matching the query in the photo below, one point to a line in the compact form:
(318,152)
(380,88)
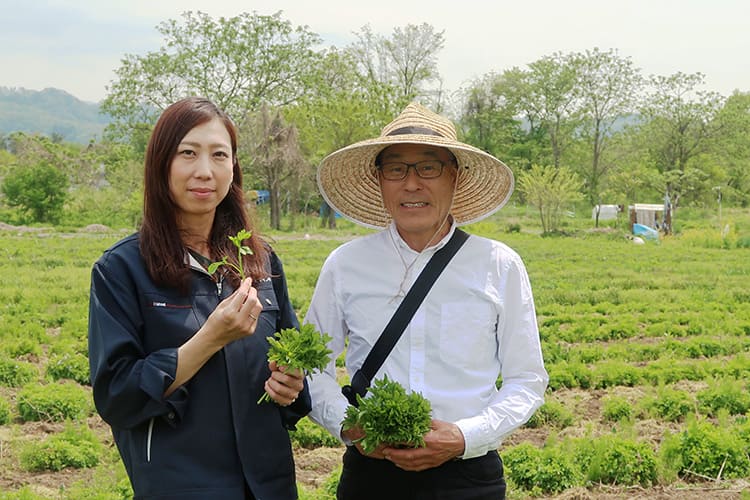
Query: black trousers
(364,478)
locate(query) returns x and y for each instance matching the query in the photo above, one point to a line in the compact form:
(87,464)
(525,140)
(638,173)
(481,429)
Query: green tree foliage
(679,126)
(544,95)
(606,89)
(38,191)
(731,150)
(489,121)
(238,62)
(550,190)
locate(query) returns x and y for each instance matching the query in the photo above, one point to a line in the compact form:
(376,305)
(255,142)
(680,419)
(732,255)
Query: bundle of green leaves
(390,416)
(305,349)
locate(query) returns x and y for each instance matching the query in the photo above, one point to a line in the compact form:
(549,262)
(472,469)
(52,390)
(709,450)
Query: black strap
(395,327)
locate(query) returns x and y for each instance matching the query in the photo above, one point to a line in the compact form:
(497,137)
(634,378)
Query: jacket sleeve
(291,414)
(128,384)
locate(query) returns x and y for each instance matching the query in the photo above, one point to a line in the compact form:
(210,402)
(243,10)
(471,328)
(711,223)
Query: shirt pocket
(467,333)
(269,316)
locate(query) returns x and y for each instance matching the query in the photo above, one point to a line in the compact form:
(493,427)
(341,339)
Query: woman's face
(201,172)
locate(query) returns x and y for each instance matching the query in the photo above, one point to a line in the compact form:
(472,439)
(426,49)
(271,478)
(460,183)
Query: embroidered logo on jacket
(169,306)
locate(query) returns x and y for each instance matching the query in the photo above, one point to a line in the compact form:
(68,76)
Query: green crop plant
(54,402)
(16,373)
(74,447)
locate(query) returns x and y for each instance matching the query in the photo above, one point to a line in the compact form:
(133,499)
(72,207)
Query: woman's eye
(221,154)
(187,152)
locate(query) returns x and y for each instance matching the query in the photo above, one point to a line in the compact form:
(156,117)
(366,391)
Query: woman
(177,355)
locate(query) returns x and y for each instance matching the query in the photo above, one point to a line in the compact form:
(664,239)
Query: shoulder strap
(395,327)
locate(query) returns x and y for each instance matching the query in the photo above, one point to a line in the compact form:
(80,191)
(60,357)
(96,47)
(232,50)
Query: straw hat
(348,179)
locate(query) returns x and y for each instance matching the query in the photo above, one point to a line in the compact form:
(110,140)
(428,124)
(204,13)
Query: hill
(50,111)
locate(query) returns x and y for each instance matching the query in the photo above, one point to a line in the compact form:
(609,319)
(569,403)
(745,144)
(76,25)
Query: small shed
(653,215)
(606,212)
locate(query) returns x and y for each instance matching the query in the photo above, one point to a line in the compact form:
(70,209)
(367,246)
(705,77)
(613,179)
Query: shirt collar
(403,246)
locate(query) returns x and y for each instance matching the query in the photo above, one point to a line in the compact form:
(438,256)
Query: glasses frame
(414,166)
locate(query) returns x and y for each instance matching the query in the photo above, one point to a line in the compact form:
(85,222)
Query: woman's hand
(236,316)
(284,385)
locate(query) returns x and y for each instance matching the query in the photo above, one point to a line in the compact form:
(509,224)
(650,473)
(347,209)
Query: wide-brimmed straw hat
(348,178)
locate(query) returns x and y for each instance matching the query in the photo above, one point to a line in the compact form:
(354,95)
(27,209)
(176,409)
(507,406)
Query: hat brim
(348,180)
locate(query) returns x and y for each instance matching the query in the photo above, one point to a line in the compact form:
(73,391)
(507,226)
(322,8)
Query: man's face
(418,206)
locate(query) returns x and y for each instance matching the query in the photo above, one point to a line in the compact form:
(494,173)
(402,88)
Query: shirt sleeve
(325,313)
(524,378)
(128,385)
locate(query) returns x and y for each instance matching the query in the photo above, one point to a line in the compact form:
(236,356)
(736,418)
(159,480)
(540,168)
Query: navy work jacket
(210,438)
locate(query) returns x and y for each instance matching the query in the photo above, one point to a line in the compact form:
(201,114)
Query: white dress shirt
(476,324)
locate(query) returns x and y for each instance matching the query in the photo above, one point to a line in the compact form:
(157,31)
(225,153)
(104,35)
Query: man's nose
(412,179)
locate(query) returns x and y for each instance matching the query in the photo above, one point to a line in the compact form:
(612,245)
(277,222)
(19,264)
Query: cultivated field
(647,346)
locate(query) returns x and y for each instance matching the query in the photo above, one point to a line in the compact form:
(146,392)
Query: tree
(606,89)
(271,147)
(680,124)
(730,151)
(489,121)
(39,191)
(549,189)
(238,62)
(544,95)
(341,108)
(405,63)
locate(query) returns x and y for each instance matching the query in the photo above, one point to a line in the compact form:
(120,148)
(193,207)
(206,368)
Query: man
(476,325)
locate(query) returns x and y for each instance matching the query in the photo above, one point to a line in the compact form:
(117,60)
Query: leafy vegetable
(305,349)
(242,235)
(390,416)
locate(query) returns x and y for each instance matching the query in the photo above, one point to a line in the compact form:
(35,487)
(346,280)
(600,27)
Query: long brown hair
(160,242)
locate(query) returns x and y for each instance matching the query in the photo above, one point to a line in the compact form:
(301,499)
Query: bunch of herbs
(390,416)
(305,349)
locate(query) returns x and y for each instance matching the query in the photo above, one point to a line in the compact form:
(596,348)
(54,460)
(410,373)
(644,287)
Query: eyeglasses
(396,171)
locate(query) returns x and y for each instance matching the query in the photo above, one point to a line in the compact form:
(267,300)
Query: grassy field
(647,346)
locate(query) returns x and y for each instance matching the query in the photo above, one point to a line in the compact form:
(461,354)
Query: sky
(76,45)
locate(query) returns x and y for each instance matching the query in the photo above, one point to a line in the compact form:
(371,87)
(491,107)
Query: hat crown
(416,119)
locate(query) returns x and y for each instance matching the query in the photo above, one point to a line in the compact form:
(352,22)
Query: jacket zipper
(148,439)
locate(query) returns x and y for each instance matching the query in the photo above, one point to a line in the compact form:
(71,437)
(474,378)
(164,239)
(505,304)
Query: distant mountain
(50,111)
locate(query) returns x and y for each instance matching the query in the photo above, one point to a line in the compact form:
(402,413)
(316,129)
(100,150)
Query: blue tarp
(263,196)
(647,232)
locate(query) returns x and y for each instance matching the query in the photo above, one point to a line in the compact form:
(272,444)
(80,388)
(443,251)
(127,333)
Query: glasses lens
(425,169)
(429,169)
(394,171)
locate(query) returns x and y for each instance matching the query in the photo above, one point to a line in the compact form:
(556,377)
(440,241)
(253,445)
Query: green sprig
(305,349)
(390,416)
(241,236)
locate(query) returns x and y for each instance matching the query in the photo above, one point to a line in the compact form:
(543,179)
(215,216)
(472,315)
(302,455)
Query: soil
(315,465)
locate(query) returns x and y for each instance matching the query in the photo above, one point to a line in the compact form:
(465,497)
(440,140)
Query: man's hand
(356,433)
(444,442)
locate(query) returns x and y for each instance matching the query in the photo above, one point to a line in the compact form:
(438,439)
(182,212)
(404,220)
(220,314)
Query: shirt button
(170,415)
